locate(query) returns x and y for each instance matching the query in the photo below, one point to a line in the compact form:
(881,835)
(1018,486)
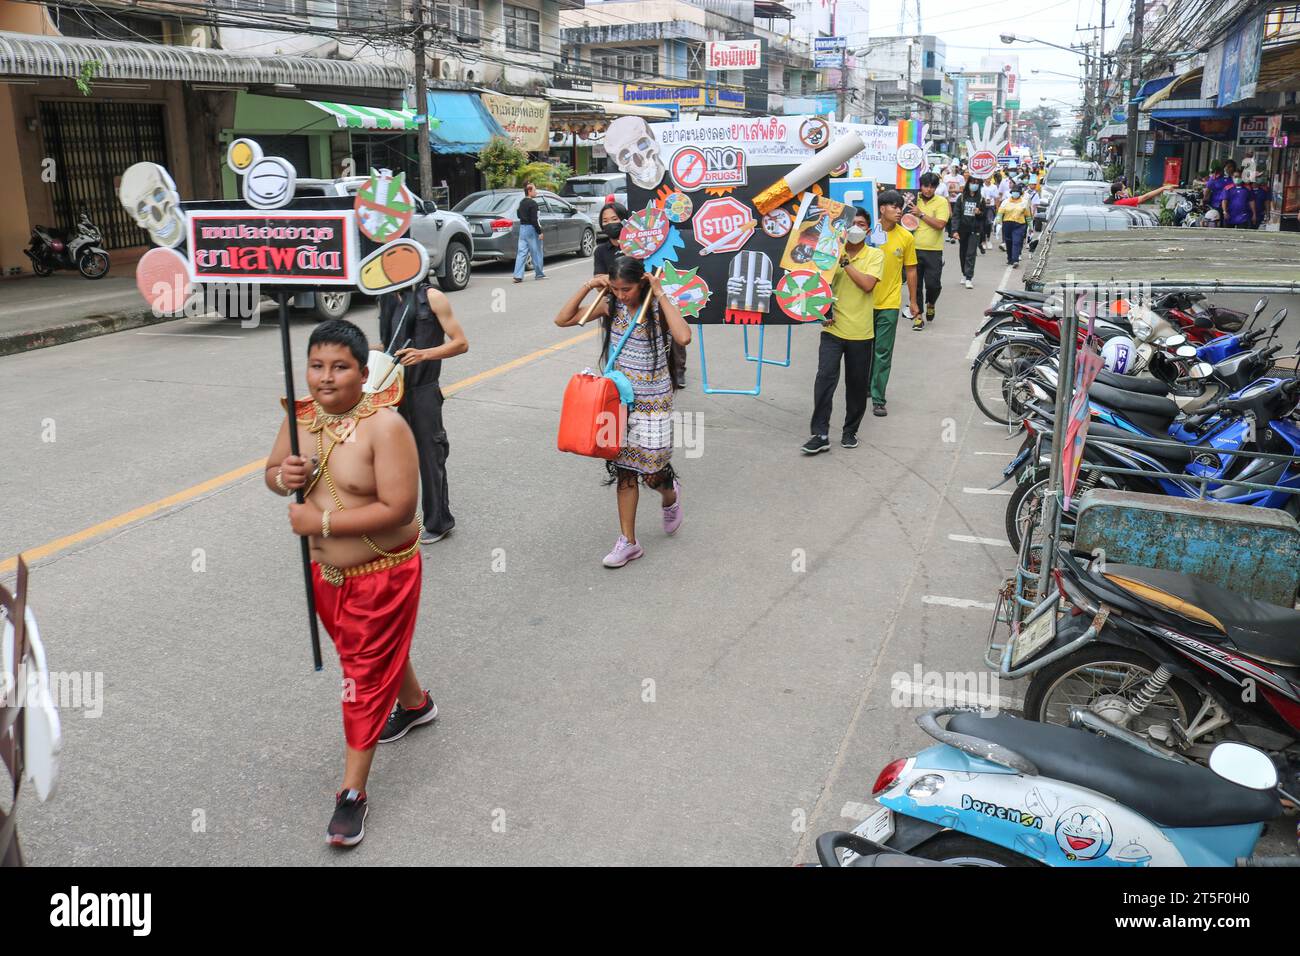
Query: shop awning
(1191,109)
(568,105)
(58,57)
(464,124)
(369,117)
(1153,95)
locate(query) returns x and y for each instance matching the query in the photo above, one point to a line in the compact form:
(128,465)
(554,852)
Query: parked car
(1067,170)
(1082,218)
(493,215)
(444,233)
(589,192)
(1078,192)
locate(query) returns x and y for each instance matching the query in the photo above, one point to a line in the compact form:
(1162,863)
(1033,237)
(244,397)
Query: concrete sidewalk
(36,312)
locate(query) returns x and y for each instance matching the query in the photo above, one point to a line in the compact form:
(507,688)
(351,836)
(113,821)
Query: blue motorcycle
(1001,791)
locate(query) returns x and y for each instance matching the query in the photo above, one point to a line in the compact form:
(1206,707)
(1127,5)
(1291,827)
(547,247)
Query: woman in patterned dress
(648,362)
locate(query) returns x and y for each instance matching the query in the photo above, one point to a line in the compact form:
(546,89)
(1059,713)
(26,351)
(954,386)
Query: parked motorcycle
(51,249)
(1002,791)
(1171,658)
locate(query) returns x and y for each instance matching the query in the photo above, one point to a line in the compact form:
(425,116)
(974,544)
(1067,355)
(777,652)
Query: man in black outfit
(434,335)
(530,235)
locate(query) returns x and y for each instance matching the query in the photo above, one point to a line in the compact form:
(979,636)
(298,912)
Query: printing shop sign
(733,54)
(278,246)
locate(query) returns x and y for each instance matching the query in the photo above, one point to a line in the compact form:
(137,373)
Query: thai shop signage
(1253,131)
(828,52)
(527,121)
(733,54)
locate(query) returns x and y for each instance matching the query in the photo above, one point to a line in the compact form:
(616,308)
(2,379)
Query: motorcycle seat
(1176,457)
(1021,295)
(1264,631)
(1166,793)
(1134,383)
(1153,413)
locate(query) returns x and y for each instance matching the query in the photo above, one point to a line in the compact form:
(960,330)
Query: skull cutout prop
(149,195)
(632,146)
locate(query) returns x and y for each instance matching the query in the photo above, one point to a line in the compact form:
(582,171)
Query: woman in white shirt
(992,197)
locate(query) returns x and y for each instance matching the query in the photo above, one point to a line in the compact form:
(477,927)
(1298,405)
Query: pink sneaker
(623,553)
(673,513)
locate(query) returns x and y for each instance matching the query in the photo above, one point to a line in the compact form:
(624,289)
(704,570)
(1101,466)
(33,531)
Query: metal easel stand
(758,378)
(789,337)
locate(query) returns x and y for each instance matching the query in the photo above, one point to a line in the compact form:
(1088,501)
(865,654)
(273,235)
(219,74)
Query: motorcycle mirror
(1244,766)
(1261,305)
(1201,370)
(1186,351)
(1279,319)
(1203,322)
(1175,340)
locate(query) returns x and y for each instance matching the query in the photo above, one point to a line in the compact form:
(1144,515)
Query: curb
(27,340)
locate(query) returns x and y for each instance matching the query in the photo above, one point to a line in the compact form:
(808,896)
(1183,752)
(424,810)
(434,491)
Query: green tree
(499,162)
(1043,118)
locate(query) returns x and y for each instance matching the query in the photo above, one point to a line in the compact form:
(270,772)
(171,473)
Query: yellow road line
(10,565)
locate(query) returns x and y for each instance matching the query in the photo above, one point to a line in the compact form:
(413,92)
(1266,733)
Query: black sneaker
(401,720)
(918,324)
(348,825)
(929,314)
(879,411)
(815,444)
(849,440)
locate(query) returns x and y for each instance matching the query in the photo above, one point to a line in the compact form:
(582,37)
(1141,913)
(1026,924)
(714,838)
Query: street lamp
(1012,38)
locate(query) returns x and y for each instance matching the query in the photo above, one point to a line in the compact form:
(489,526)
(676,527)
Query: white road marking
(986,491)
(954,697)
(1002,284)
(976,346)
(188,335)
(858,811)
(995,454)
(956,602)
(971,539)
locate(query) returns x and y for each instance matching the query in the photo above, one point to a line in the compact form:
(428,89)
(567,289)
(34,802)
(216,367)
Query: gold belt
(336,576)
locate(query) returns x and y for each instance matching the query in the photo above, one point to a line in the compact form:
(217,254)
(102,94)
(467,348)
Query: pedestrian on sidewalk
(899,249)
(435,335)
(1014,213)
(847,336)
(953,185)
(359,512)
(971,209)
(989,193)
(530,235)
(1261,194)
(1237,205)
(934,212)
(646,358)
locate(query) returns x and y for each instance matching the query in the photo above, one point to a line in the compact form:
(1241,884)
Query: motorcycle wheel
(93,265)
(996,373)
(1110,676)
(995,333)
(41,269)
(960,849)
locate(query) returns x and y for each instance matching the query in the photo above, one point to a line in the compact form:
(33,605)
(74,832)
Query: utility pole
(1101,72)
(1130,110)
(422,148)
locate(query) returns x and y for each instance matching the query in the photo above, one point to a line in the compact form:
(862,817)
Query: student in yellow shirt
(848,334)
(900,259)
(1015,212)
(933,212)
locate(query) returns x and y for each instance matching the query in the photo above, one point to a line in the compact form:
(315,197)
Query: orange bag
(593,419)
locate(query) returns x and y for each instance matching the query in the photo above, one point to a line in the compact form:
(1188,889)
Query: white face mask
(857,235)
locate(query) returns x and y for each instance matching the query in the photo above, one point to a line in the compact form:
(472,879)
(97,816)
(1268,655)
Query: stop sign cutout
(723,225)
(983,164)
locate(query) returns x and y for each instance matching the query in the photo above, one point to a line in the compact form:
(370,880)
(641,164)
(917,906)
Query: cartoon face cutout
(1083,833)
(635,151)
(269,183)
(149,195)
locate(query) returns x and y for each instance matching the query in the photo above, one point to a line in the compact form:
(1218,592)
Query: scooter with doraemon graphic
(998,790)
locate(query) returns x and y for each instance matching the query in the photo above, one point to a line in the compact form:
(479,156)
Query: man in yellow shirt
(847,334)
(932,211)
(900,258)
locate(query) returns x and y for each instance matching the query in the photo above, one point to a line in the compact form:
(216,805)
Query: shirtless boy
(360,474)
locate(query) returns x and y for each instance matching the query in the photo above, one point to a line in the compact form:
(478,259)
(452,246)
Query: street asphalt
(723,700)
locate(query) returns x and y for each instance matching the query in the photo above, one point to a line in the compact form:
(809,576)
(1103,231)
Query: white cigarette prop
(805,174)
(729,237)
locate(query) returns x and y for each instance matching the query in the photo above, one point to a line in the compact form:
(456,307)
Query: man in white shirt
(992,197)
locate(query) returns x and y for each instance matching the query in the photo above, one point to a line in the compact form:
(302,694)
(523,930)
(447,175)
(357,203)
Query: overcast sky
(971,28)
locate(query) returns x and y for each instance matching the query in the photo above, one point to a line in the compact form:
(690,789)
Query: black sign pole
(282,299)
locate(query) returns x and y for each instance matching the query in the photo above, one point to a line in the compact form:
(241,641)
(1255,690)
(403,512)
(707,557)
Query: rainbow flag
(911,132)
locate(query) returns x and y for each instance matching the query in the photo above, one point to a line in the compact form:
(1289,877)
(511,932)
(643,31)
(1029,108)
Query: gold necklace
(341,426)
